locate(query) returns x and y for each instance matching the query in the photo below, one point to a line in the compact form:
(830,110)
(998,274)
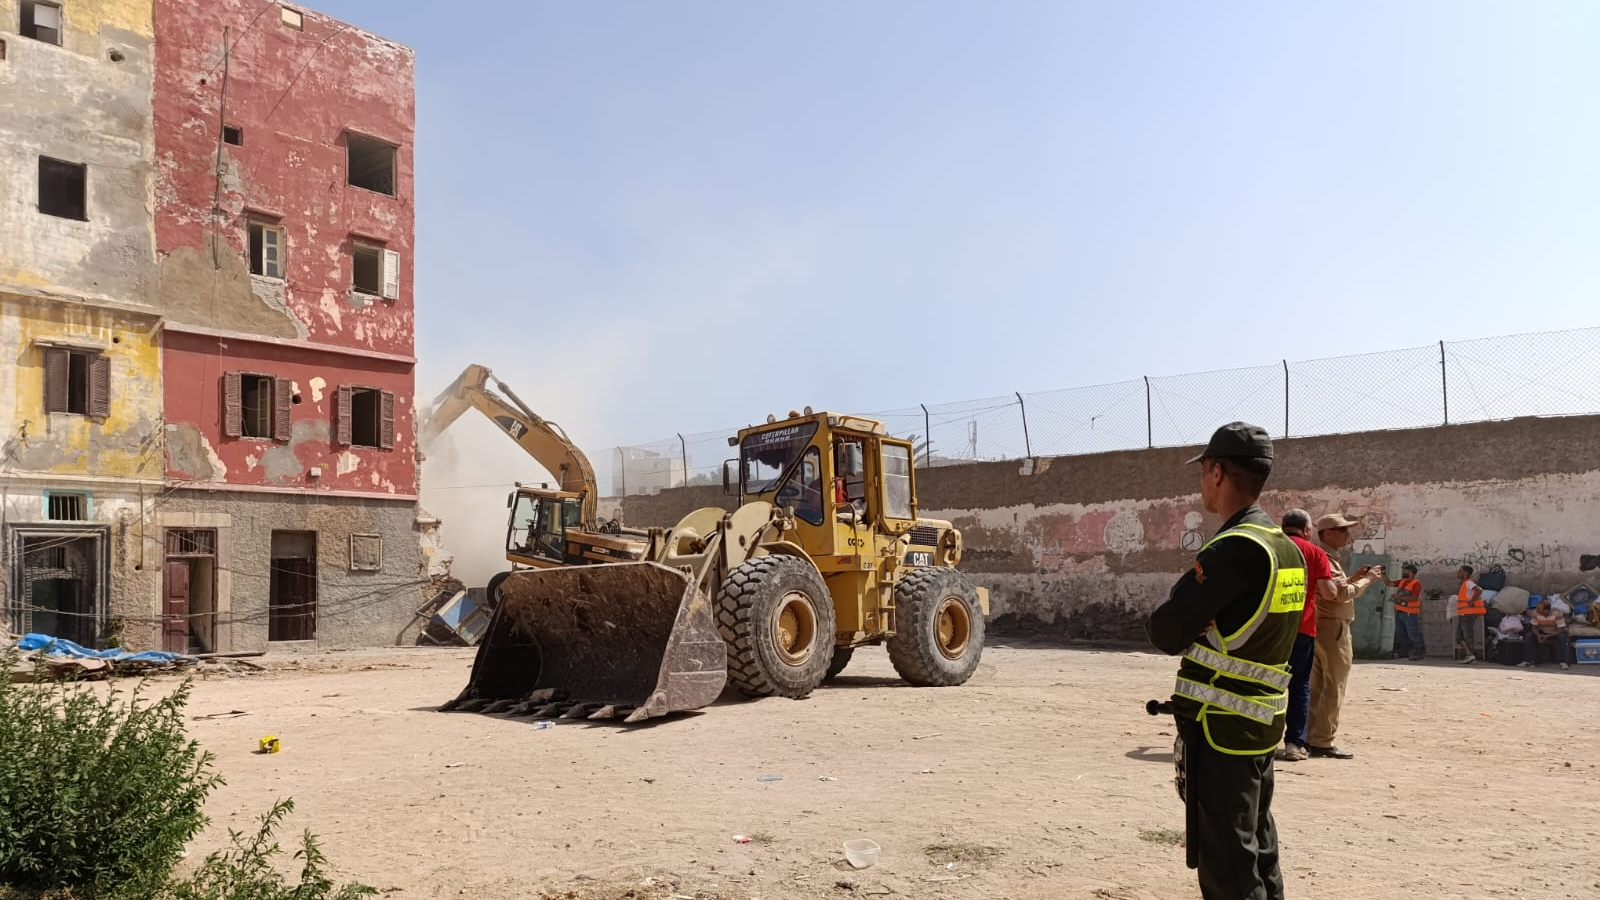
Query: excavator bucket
(628,640)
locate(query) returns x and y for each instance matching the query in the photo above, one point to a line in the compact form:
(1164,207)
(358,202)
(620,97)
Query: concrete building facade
(283,224)
(206,326)
(80,383)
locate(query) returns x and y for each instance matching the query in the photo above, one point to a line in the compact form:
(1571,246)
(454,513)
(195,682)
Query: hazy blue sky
(655,217)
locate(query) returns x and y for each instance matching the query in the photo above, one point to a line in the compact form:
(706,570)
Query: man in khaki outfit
(1336,609)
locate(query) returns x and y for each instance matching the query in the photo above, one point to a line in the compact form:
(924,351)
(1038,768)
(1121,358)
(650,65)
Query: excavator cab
(536,535)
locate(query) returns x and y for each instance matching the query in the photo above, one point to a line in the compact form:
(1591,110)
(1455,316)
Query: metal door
(1373,631)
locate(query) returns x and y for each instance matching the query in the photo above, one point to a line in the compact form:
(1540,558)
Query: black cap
(1238,440)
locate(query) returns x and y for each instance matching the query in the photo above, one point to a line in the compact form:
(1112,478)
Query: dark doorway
(59,610)
(57,589)
(293,587)
(188,591)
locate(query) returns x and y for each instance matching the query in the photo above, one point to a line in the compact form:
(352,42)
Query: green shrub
(245,871)
(100,788)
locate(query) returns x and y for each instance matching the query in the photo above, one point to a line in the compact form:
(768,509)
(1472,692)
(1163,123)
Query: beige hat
(1335,520)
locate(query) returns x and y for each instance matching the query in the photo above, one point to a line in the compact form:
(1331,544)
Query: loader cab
(842,476)
(537,532)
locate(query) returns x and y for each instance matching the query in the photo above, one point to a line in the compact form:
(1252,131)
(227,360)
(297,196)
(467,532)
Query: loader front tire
(491,593)
(939,628)
(776,617)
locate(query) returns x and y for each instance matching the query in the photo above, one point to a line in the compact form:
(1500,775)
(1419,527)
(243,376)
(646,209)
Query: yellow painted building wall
(126,444)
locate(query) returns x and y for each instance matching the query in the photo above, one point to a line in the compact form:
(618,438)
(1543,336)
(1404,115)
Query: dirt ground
(1041,778)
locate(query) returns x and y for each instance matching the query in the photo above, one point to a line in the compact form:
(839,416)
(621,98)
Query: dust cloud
(466,477)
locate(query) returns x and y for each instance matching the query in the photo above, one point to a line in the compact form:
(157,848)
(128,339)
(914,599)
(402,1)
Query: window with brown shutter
(341,415)
(77,382)
(366,417)
(386,426)
(256,406)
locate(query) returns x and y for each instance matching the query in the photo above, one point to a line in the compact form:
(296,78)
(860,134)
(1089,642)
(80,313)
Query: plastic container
(861,853)
(1534,600)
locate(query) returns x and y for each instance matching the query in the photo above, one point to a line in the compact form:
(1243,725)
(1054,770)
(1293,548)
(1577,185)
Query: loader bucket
(635,640)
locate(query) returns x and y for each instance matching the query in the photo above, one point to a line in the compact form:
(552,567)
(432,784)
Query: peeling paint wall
(294,94)
(125,444)
(84,102)
(199,454)
(1087,544)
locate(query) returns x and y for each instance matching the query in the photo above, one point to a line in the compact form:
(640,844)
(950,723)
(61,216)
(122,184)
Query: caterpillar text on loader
(548,527)
(825,553)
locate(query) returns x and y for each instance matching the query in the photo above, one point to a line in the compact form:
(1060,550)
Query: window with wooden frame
(374,270)
(364,417)
(41,21)
(77,382)
(255,406)
(266,248)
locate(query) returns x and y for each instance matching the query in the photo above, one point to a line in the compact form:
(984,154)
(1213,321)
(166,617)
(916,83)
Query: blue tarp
(53,646)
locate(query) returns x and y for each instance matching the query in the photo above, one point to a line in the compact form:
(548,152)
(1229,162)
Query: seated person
(1546,628)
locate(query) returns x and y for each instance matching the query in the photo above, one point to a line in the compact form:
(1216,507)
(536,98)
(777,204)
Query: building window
(66,507)
(370,164)
(266,249)
(366,552)
(42,21)
(255,406)
(191,542)
(63,189)
(233,134)
(374,270)
(292,18)
(364,417)
(77,382)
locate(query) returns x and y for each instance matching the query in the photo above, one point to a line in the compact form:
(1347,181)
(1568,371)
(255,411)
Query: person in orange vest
(1469,612)
(1408,611)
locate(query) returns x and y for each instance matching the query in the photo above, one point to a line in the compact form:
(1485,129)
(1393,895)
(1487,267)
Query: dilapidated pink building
(284,210)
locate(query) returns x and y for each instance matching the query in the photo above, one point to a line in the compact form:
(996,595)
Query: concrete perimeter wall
(1084,546)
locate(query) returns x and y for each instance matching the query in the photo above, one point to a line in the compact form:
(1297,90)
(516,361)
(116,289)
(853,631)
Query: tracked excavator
(823,553)
(548,527)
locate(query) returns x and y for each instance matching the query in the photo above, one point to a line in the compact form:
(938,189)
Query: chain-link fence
(1544,374)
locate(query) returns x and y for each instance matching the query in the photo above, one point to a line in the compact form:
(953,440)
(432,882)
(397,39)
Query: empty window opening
(266,249)
(293,18)
(77,382)
(42,21)
(255,404)
(365,417)
(2,51)
(371,164)
(368,269)
(63,189)
(67,507)
(233,134)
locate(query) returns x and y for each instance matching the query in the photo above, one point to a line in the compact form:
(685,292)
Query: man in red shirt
(1295,524)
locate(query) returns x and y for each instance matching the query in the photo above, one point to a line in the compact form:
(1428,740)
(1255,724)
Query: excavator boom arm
(538,437)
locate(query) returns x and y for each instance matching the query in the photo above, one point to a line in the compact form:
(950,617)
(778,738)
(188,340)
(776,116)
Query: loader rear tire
(841,658)
(776,617)
(939,628)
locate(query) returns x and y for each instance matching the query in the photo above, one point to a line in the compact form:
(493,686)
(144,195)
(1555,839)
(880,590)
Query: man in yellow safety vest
(1233,617)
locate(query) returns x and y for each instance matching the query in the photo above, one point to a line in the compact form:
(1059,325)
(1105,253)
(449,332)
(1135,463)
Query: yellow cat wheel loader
(824,553)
